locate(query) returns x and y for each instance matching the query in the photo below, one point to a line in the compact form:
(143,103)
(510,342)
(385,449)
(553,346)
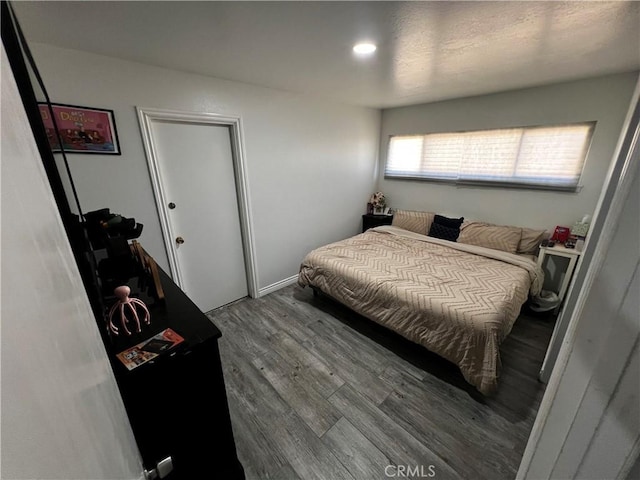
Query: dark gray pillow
(448,222)
(445,233)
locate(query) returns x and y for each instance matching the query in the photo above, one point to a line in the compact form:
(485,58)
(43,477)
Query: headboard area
(508,238)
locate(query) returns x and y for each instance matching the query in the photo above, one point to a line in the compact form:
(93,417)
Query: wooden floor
(318,392)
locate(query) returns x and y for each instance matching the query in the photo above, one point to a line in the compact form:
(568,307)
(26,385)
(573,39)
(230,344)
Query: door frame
(145,117)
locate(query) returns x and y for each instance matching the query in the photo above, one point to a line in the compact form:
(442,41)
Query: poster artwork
(83,130)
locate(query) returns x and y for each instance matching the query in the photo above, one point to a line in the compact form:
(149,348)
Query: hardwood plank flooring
(355,451)
(317,391)
(311,406)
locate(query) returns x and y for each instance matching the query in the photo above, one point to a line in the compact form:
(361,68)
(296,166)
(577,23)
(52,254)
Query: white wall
(603,99)
(62,414)
(311,163)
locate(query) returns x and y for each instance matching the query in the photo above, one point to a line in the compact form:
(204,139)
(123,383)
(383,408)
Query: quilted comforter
(459,301)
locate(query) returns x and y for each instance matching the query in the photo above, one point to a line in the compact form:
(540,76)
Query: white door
(196,171)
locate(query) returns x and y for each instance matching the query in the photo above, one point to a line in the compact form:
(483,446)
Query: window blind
(546,157)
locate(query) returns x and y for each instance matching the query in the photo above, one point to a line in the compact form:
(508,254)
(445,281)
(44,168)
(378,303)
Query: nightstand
(560,251)
(370,221)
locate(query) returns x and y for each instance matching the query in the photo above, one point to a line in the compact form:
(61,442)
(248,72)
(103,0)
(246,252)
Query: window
(529,157)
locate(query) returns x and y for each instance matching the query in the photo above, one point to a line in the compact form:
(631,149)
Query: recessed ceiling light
(364,48)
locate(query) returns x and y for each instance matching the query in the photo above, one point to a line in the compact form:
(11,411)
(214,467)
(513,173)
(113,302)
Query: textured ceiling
(427,51)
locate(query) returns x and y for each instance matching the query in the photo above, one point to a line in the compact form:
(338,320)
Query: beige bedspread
(459,301)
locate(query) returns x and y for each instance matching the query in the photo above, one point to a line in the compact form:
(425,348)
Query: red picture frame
(82,129)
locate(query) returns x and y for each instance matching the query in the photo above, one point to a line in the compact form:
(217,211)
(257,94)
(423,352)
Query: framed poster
(83,129)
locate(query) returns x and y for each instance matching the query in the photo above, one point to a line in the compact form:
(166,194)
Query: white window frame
(462,142)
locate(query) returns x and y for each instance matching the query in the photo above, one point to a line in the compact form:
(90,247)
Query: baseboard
(277,286)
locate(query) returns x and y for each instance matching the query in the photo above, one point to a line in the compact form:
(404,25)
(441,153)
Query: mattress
(459,301)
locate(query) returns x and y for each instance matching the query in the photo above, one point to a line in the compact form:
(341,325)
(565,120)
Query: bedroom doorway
(195,161)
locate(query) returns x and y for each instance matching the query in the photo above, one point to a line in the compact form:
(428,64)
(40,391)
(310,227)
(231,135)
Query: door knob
(179,240)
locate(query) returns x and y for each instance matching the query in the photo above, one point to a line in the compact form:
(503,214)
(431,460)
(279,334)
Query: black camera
(112,232)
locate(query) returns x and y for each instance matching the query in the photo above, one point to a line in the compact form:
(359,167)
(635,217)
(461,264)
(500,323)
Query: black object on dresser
(177,402)
(370,221)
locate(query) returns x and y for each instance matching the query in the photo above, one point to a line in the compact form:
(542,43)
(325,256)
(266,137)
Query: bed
(456,299)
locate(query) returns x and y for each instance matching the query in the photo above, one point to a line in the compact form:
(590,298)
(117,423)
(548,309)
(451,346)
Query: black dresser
(177,403)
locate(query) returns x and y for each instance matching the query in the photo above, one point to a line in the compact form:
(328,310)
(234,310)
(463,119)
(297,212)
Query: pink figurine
(122,293)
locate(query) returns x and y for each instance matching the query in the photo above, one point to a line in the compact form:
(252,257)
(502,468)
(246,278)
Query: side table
(561,251)
(370,221)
